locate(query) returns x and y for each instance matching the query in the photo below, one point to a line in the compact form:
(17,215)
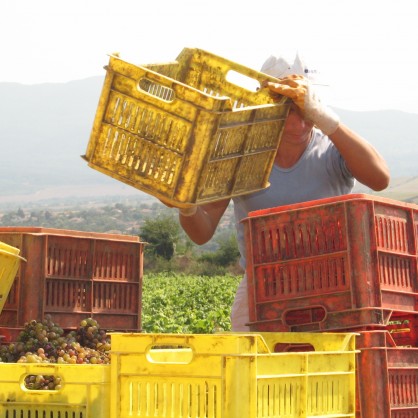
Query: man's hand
(300,91)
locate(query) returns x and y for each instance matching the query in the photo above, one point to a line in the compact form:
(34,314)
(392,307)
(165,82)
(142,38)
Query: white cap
(279,67)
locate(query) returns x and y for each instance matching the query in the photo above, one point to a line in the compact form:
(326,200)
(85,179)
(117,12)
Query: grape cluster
(46,342)
(89,334)
(37,338)
(40,382)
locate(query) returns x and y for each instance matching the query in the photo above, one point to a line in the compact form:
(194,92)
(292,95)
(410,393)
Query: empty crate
(329,264)
(189,131)
(72,275)
(233,375)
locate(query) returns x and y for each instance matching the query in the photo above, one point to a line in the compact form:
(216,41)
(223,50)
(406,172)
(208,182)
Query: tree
(162,235)
(227,252)
(20,213)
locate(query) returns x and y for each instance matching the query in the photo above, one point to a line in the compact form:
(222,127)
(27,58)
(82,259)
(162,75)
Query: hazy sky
(366,49)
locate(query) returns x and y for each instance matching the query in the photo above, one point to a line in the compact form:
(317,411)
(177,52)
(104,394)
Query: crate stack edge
(344,264)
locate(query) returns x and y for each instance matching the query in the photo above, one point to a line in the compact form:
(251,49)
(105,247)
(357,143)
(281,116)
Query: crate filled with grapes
(46,342)
(51,372)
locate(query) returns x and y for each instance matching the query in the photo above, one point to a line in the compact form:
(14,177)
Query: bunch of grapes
(89,334)
(44,335)
(75,353)
(45,342)
(40,382)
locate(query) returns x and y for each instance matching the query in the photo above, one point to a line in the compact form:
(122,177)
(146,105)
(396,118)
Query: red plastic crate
(332,263)
(387,377)
(72,275)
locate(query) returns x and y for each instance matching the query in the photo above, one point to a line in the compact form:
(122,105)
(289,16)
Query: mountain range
(45,128)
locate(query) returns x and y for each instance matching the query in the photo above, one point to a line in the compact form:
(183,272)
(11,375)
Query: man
(318,157)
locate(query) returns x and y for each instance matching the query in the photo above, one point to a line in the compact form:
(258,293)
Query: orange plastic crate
(387,377)
(329,264)
(74,275)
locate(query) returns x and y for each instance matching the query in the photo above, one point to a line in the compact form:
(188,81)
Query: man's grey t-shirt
(320,172)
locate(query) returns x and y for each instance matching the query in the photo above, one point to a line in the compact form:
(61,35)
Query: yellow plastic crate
(84,393)
(233,375)
(186,131)
(9,264)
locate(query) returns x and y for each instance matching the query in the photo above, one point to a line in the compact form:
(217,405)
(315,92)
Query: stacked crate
(72,275)
(344,264)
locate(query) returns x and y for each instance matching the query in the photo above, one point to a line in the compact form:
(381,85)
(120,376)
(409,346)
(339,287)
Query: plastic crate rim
(327,201)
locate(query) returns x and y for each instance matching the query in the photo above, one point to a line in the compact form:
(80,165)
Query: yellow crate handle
(223,65)
(156,89)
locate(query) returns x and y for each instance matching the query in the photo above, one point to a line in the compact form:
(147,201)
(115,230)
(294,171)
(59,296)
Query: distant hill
(393,133)
(45,128)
